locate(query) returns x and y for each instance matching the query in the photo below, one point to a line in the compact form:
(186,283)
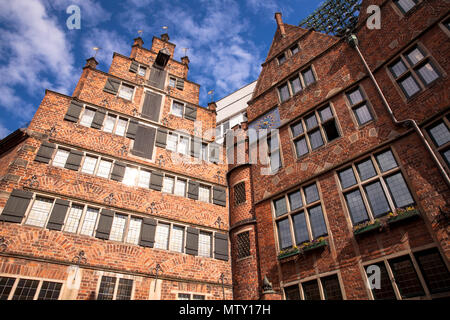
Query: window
(28,289)
(204,244)
(243,244)
(311,290)
(60,158)
(142,70)
(104,168)
(177,109)
(405,5)
(118,227)
(177,239)
(204,152)
(440,136)
(302,211)
(374,187)
(89,222)
(39,211)
(188,296)
(109,123)
(144,178)
(134,230)
(413,71)
(172,141)
(314,130)
(87,117)
(294,49)
(111,289)
(130,175)
(239,193)
(359,106)
(204,193)
(73,218)
(168,184)
(284,92)
(281,58)
(273,152)
(162,236)
(296,84)
(89,164)
(172,82)
(308,77)
(292,293)
(183,145)
(434,270)
(331,289)
(180,187)
(126,91)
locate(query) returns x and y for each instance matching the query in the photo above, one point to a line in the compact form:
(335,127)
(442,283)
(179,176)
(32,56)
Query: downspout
(353,41)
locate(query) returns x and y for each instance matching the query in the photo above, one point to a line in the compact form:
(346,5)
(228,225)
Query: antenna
(185,51)
(96,49)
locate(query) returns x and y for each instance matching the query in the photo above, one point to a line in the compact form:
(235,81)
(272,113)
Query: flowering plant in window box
(317,243)
(288,252)
(402,214)
(366,227)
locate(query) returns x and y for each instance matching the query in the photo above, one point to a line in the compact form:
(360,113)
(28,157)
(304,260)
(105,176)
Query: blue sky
(227,41)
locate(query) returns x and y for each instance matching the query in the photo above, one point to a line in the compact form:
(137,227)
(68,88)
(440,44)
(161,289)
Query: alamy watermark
(74,20)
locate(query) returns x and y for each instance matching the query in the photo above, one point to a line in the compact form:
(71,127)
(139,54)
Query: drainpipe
(353,41)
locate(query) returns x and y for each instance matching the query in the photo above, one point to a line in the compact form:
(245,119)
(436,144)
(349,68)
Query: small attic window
(294,49)
(281,58)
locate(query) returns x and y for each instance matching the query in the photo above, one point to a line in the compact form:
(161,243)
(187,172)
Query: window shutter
(58,215)
(97,122)
(144,142)
(214,150)
(161,138)
(104,224)
(180,84)
(156,180)
(74,111)
(112,85)
(221,246)
(148,228)
(134,66)
(118,171)
(132,129)
(190,112)
(74,160)
(196,146)
(193,190)
(16,206)
(151,106)
(192,241)
(219,196)
(157,78)
(45,152)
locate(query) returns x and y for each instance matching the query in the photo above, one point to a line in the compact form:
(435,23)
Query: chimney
(91,63)
(165,37)
(212,106)
(138,42)
(280,24)
(185,60)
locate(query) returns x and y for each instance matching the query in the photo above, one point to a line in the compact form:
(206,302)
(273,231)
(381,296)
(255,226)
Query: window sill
(407,215)
(376,226)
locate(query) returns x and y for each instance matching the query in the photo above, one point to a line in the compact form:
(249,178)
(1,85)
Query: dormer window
(405,5)
(294,49)
(281,58)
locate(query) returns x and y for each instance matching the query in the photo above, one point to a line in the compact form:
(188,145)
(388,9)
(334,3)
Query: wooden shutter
(221,246)
(219,196)
(58,215)
(74,111)
(180,84)
(104,224)
(118,171)
(74,160)
(148,228)
(156,180)
(192,241)
(152,105)
(134,66)
(132,129)
(161,138)
(112,85)
(97,122)
(190,112)
(196,147)
(45,152)
(157,78)
(144,142)
(214,150)
(193,190)
(16,206)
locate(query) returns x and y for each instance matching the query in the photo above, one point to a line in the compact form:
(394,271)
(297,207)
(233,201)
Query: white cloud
(4,131)
(38,55)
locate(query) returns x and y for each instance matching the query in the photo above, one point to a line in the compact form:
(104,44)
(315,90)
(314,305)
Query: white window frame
(39,287)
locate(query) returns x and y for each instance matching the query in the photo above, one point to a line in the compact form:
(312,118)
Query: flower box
(287,253)
(315,245)
(368,228)
(404,215)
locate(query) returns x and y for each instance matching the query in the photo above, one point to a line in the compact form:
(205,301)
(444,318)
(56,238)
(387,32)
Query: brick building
(354,188)
(96,202)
